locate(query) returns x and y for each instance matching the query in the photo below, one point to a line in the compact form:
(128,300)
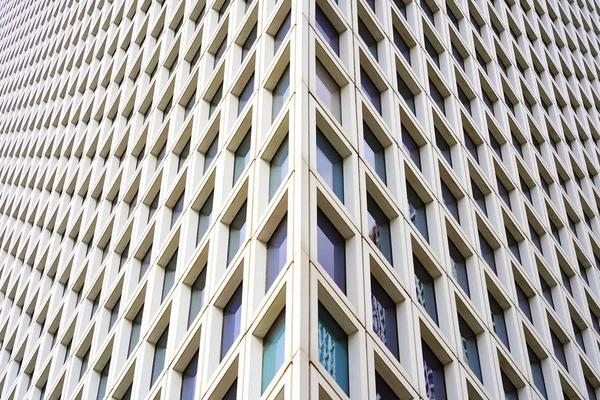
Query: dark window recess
(443,145)
(499,321)
(435,382)
(379,228)
(524,302)
(537,372)
(470,348)
(471,146)
(479,197)
(331,250)
(411,147)
(433,53)
(407,94)
(450,201)
(367,37)
(437,97)
(487,252)
(425,289)
(513,245)
(402,45)
(559,350)
(459,268)
(371,90)
(384,317)
(374,153)
(417,212)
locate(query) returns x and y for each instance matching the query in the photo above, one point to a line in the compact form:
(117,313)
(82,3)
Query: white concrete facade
(404,197)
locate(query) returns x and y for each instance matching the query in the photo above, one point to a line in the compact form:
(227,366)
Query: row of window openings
(384,309)
(278,170)
(329,91)
(273,350)
(279,93)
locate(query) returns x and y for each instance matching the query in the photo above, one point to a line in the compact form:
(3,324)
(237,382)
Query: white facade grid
(292,199)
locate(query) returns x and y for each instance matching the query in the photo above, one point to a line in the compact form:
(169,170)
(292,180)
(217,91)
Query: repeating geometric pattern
(149,150)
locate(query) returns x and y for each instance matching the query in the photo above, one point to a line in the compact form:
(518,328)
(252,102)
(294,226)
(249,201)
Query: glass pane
(379,228)
(249,42)
(411,147)
(282,31)
(407,95)
(498,321)
(371,89)
(333,349)
(279,167)
(169,280)
(327,29)
(330,165)
(450,201)
(237,233)
(367,37)
(103,381)
(185,152)
(273,350)
(280,92)
(242,156)
(417,212)
(537,372)
(197,296)
(328,91)
(232,316)
(146,261)
(136,327)
(220,51)
(435,384)
(384,317)
(470,348)
(160,351)
(188,384)
(276,252)
(177,209)
(383,390)
(232,392)
(401,45)
(374,153)
(246,94)
(459,268)
(211,153)
(204,218)
(331,250)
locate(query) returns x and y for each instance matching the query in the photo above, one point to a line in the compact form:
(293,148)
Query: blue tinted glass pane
(327,29)
(276,252)
(333,349)
(273,350)
(279,167)
(379,228)
(331,250)
(374,153)
(281,92)
(330,165)
(237,233)
(188,385)
(232,317)
(384,317)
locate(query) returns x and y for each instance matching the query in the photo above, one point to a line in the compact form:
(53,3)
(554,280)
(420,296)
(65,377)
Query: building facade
(299,199)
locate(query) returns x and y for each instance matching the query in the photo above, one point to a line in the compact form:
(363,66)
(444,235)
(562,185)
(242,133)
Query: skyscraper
(299,199)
